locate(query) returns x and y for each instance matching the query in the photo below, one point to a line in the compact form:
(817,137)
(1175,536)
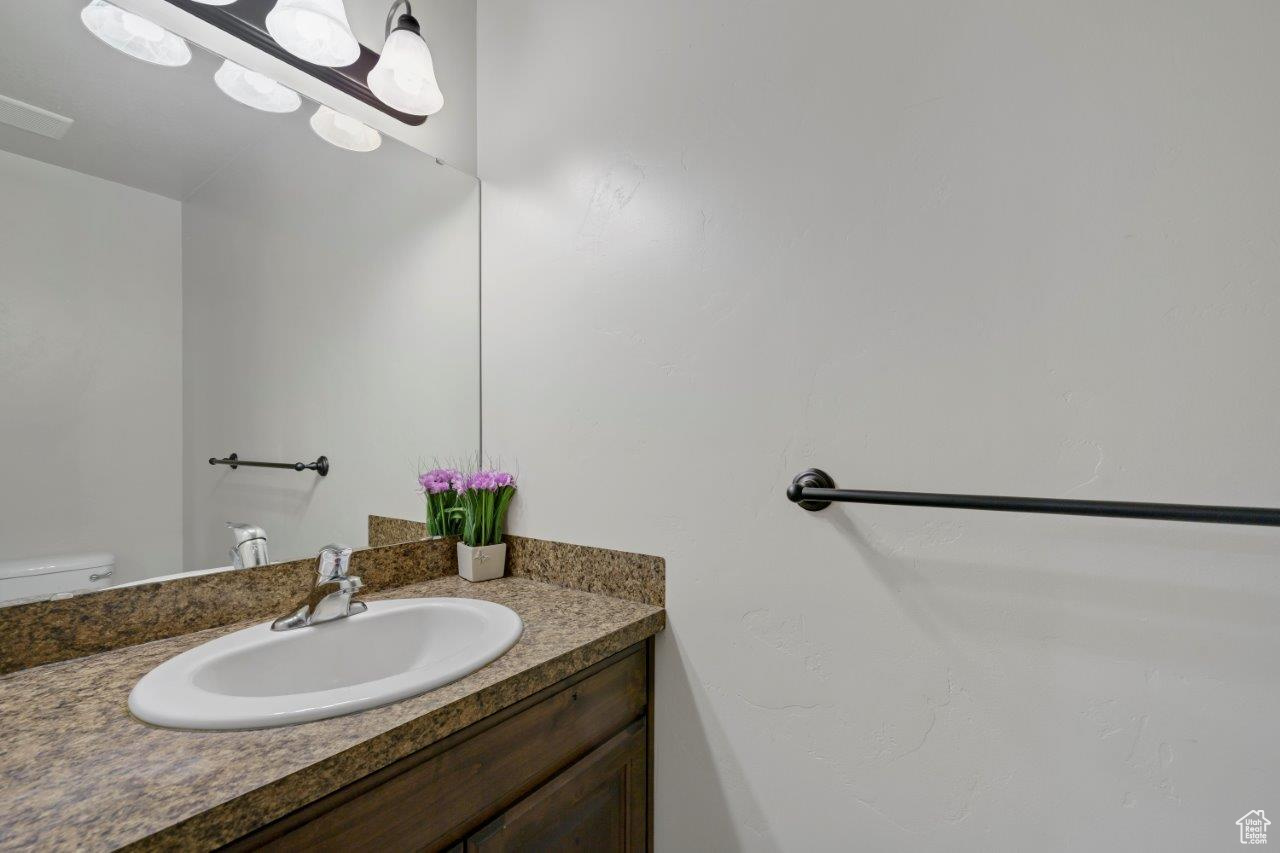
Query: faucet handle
(245,532)
(324,603)
(333,562)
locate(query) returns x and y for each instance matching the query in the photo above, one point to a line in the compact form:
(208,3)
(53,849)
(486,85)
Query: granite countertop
(80,773)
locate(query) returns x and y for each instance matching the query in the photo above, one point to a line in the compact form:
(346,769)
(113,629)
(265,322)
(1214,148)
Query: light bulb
(404,77)
(344,131)
(314,30)
(134,35)
(255,90)
(216,2)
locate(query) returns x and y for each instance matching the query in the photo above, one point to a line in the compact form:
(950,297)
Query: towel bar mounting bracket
(811,478)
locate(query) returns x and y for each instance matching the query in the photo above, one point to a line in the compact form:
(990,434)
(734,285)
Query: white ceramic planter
(483,562)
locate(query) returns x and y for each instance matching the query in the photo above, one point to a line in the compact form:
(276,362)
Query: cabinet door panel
(598,804)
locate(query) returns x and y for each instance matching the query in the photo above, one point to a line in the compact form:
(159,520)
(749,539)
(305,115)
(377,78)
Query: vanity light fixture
(255,90)
(404,77)
(344,131)
(314,30)
(134,35)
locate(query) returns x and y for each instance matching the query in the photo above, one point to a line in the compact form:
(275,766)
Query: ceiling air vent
(33,119)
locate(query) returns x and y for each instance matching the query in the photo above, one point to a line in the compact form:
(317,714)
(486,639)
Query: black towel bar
(320,466)
(814,490)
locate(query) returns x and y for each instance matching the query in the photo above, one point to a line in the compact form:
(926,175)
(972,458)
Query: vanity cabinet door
(597,804)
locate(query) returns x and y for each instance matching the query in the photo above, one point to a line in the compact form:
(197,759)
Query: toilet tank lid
(58,563)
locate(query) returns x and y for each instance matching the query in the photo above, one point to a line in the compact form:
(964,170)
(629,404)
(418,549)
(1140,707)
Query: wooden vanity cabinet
(567,768)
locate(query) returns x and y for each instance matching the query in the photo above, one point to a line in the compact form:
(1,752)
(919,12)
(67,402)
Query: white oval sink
(258,678)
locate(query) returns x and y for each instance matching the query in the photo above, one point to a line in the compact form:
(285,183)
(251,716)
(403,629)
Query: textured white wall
(331,306)
(1023,248)
(90,368)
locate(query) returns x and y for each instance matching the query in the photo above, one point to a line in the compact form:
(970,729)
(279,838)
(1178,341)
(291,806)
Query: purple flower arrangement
(440,486)
(471,505)
(484,496)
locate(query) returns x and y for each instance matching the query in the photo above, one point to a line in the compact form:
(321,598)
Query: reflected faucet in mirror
(331,597)
(251,545)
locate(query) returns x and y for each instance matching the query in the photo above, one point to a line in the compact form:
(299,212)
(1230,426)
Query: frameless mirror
(185,278)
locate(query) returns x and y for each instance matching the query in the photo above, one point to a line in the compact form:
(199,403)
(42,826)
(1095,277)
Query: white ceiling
(164,130)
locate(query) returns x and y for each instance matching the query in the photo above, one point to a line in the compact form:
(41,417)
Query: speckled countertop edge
(80,773)
(621,574)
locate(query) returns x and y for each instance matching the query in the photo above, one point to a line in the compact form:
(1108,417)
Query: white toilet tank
(40,577)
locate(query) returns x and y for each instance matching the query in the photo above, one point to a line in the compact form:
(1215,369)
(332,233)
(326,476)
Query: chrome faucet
(251,545)
(331,597)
